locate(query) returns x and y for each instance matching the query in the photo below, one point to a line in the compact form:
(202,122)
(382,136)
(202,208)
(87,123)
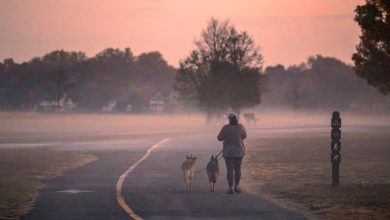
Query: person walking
(233,135)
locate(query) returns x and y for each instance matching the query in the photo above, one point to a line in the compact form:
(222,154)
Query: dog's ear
(194,158)
(212,157)
(188,157)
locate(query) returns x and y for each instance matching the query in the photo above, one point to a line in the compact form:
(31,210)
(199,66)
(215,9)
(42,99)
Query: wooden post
(335,147)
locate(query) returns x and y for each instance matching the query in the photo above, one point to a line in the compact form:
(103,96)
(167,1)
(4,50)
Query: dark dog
(213,172)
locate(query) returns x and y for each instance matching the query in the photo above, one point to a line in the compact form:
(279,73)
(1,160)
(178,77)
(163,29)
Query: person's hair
(233,120)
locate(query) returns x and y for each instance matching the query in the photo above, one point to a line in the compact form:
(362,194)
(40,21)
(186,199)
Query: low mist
(34,126)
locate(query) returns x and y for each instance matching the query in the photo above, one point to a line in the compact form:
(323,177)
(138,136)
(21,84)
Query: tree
(154,70)
(223,72)
(275,69)
(60,78)
(372,59)
(57,63)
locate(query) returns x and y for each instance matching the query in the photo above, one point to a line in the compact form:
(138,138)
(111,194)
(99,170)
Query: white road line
(119,184)
(74,191)
(16,145)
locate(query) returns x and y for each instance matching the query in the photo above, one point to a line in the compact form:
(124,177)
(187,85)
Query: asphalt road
(154,190)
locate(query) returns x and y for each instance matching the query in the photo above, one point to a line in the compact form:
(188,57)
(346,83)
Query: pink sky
(288,31)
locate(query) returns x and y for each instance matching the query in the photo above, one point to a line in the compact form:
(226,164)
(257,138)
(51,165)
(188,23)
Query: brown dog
(188,168)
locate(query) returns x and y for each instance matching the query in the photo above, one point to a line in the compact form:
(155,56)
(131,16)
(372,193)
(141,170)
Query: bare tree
(223,72)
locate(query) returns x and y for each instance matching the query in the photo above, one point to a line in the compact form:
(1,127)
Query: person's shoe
(230,190)
(237,189)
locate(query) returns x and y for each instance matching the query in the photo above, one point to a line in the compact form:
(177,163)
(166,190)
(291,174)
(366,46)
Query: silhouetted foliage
(372,59)
(112,74)
(223,72)
(320,83)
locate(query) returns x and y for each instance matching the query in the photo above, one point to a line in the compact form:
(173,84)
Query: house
(108,108)
(69,105)
(129,108)
(65,104)
(45,106)
(157,103)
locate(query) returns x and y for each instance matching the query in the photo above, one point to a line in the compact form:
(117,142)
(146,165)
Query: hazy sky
(288,31)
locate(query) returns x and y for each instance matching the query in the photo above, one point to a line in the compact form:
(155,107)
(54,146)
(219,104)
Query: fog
(45,128)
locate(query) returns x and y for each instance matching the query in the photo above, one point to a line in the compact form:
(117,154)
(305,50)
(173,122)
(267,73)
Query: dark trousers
(233,167)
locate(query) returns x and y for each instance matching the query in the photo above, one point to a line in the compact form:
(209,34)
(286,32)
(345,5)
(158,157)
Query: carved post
(335,146)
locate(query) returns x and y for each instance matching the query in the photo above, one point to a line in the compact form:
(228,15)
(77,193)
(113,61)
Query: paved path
(153,190)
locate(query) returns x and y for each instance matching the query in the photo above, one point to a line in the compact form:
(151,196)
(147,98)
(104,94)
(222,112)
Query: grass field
(23,171)
(296,170)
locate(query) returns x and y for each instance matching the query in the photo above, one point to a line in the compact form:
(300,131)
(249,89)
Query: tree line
(112,74)
(320,83)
